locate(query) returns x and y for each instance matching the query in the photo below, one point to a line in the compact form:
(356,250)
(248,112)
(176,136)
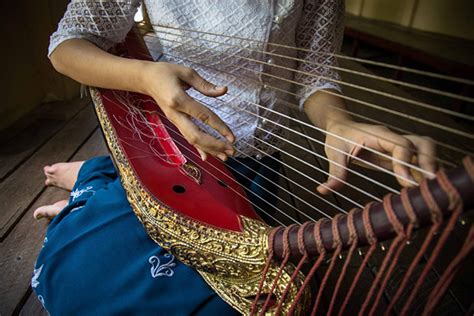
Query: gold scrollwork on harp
(230,262)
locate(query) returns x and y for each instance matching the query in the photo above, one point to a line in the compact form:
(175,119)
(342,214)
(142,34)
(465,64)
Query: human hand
(167,84)
(407,148)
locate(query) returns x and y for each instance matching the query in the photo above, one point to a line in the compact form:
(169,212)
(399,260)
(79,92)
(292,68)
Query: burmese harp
(198,212)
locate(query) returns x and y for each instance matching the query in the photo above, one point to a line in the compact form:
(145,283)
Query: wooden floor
(55,132)
(69,132)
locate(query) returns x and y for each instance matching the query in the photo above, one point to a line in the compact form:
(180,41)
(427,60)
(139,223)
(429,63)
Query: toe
(47,211)
(39,212)
(47,170)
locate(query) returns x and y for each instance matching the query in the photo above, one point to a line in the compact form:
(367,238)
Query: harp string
(374,91)
(393,159)
(341,56)
(329,92)
(327,159)
(290,193)
(442,144)
(126,106)
(149,125)
(302,174)
(319,156)
(337,149)
(296,107)
(315,154)
(365,103)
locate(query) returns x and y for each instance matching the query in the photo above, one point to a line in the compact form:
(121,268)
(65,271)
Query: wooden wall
(27,78)
(448,17)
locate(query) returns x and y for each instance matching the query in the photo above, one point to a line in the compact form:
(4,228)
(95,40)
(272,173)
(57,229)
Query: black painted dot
(179,189)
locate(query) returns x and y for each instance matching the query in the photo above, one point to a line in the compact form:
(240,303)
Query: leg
(99,261)
(71,176)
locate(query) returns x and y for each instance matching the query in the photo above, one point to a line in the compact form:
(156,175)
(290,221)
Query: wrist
(337,125)
(141,77)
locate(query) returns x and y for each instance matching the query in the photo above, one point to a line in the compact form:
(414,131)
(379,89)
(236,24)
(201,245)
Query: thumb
(204,86)
(337,172)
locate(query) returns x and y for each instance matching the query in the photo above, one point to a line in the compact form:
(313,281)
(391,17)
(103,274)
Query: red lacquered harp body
(198,212)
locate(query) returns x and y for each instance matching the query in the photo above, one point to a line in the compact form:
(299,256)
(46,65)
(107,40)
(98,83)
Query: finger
(222,156)
(426,153)
(195,137)
(401,150)
(202,153)
(191,77)
(337,172)
(202,113)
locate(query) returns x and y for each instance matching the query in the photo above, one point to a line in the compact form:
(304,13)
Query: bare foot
(62,174)
(50,211)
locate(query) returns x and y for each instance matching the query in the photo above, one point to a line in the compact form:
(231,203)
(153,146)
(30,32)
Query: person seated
(97,257)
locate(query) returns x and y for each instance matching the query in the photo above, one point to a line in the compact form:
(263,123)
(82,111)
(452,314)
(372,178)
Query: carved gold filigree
(192,171)
(230,262)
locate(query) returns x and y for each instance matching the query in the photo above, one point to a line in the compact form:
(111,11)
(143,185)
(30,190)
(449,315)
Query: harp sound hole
(179,189)
(222,183)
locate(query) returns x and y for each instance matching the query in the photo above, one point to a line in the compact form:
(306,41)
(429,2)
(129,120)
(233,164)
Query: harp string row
(346,139)
(342,69)
(294,106)
(341,56)
(318,129)
(365,103)
(442,144)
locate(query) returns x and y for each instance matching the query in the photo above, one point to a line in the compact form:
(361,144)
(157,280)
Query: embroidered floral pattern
(36,274)
(159,268)
(78,192)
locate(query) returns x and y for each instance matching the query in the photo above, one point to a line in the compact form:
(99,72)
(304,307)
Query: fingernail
(229,152)
(230,139)
(219,87)
(222,157)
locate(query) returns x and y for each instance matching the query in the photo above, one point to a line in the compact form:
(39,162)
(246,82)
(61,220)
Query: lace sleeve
(320,30)
(104,23)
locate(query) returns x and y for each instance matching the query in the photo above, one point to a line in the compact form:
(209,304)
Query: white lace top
(243,65)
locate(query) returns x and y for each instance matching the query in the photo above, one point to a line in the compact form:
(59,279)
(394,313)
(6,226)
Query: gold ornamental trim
(230,262)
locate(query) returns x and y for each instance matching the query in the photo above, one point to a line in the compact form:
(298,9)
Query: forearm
(325,110)
(84,62)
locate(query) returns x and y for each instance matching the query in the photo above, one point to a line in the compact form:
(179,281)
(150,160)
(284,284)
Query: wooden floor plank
(34,131)
(20,248)
(33,307)
(23,186)
(19,252)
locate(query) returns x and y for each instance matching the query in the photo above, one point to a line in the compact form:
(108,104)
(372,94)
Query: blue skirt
(98,260)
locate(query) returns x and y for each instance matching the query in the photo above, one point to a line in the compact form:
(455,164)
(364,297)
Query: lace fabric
(316,25)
